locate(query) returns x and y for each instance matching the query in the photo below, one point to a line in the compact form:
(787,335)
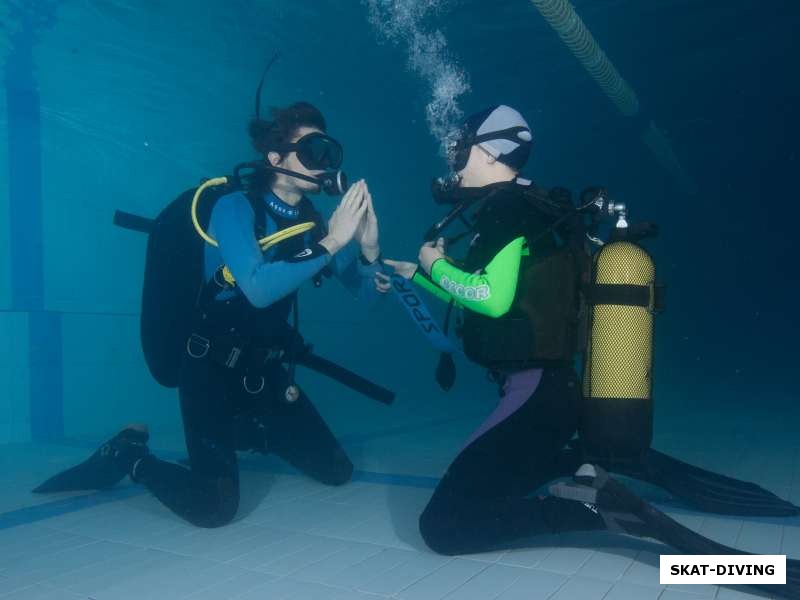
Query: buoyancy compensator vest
(174,278)
(544,325)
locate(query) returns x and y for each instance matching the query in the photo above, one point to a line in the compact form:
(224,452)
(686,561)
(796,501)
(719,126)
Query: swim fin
(106,467)
(624,512)
(699,488)
(705,490)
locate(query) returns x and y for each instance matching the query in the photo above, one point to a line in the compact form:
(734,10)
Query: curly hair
(265,135)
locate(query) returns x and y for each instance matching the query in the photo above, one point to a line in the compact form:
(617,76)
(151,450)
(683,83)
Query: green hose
(561,16)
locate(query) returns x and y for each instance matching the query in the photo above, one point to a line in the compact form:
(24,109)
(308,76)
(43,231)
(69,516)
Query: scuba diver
(528,291)
(224,265)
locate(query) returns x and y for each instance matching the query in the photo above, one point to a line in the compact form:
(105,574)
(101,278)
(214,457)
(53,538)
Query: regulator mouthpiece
(443,188)
(333,183)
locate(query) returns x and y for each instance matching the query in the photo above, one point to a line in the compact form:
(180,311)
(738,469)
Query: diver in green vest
(520,289)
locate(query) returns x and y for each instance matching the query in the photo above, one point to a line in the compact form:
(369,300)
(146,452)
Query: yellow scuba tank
(617,419)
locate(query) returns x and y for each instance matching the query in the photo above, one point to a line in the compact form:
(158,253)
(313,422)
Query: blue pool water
(121,105)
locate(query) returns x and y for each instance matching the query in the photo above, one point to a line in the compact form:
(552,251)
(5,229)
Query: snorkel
(316,151)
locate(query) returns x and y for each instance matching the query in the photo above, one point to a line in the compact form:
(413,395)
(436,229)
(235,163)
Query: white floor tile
(624,590)
(534,585)
(581,588)
(609,564)
(699,590)
(41,592)
(488,584)
(723,530)
(287,546)
(760,538)
(405,574)
(527,557)
(566,560)
(226,589)
(295,564)
(354,553)
(355,576)
(671,594)
(643,570)
(443,581)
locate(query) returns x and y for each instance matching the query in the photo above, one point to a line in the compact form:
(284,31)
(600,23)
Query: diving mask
(315,151)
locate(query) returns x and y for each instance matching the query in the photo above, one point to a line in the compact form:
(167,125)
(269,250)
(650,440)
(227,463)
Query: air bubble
(403,22)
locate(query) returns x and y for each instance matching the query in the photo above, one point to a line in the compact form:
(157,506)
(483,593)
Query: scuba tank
(622,297)
(611,321)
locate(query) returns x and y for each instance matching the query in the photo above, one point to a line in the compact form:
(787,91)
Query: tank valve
(619,209)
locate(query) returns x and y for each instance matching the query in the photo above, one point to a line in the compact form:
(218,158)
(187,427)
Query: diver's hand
(383,283)
(405,269)
(430,253)
(367,232)
(345,219)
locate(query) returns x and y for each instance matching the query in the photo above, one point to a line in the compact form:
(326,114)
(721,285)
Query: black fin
(625,512)
(103,469)
(700,489)
(711,492)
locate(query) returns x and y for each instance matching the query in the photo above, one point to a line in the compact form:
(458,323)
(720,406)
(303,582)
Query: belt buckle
(233,357)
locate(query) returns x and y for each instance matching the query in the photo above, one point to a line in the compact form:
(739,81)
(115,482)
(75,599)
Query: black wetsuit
(484,501)
(220,415)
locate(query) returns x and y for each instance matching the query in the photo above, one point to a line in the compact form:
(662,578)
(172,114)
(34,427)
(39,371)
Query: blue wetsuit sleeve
(357,277)
(263,283)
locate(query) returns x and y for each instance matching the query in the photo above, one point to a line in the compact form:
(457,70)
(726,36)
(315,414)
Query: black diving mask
(315,151)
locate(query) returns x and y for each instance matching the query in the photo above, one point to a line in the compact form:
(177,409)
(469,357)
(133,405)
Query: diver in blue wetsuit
(235,392)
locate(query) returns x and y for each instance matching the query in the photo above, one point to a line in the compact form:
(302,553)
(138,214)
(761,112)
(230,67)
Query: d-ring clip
(256,391)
